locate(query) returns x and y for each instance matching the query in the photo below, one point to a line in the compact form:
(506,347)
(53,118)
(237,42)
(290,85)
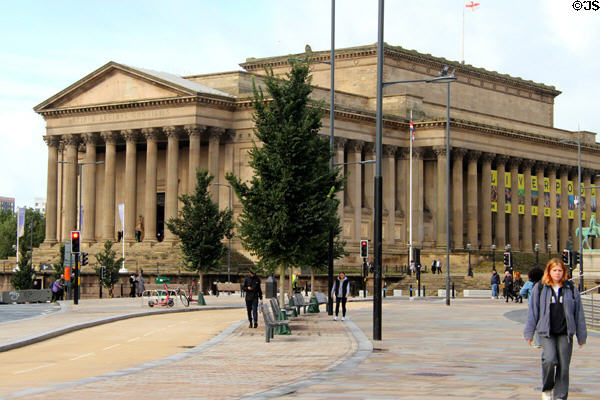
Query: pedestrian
(57,288)
(140,284)
(517,285)
(495,282)
(556,313)
(384,288)
(216,288)
(535,275)
(433,266)
(253,294)
(508,286)
(341,291)
(439,267)
(132,281)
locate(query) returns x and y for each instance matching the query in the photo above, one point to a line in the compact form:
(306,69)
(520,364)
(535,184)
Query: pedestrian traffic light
(364,248)
(84,258)
(75,248)
(566,257)
(508,259)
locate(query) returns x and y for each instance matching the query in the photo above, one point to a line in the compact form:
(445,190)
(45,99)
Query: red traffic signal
(364,248)
(75,247)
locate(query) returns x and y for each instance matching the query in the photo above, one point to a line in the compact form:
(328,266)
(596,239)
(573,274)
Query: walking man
(253,294)
(341,291)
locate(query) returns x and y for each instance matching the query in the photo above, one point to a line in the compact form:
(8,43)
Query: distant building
(7,203)
(39,204)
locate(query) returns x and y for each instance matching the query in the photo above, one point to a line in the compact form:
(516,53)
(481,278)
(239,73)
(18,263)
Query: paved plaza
(471,350)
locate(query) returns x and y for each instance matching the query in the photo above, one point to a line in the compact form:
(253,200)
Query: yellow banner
(521,183)
(593,203)
(571,199)
(583,201)
(558,198)
(546,197)
(534,195)
(494,194)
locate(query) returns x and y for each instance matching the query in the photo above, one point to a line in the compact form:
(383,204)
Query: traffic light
(566,257)
(365,267)
(507,259)
(84,258)
(364,248)
(577,257)
(102,272)
(75,248)
(416,255)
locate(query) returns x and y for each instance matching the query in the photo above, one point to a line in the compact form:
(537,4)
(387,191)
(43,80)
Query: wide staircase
(435,282)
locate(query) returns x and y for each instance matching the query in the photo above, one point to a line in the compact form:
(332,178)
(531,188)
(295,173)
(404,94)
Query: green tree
(8,234)
(108,258)
(201,227)
(34,231)
(24,275)
(289,206)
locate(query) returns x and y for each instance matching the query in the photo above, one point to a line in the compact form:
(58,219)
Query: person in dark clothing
(253,294)
(495,282)
(341,291)
(517,285)
(508,286)
(556,313)
(132,283)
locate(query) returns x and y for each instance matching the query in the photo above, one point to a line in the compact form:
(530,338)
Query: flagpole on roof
(462,48)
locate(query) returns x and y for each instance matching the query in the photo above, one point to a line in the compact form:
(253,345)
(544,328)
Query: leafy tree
(289,206)
(34,231)
(8,234)
(24,275)
(201,228)
(108,258)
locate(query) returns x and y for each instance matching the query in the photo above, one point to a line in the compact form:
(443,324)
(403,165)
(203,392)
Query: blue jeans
(495,289)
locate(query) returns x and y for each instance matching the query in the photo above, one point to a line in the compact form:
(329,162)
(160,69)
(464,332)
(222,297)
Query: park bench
(321,298)
(228,287)
(317,299)
(270,322)
(299,302)
(289,311)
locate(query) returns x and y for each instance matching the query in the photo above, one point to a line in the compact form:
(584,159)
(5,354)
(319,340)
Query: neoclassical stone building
(141,134)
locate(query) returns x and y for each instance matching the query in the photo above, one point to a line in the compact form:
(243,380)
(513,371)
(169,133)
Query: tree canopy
(289,206)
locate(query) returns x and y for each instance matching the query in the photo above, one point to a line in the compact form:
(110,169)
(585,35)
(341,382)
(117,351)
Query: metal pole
(579,209)
(448,193)
(229,244)
(378,181)
(410,198)
(76,284)
(80,165)
(331,150)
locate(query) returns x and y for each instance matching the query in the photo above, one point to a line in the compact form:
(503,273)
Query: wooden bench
(289,311)
(270,322)
(299,302)
(228,287)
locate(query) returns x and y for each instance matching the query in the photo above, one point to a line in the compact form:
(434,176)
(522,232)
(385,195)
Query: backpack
(566,283)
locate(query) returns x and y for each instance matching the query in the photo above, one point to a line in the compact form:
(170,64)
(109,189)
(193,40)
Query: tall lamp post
(537,255)
(228,239)
(470,273)
(578,203)
(493,257)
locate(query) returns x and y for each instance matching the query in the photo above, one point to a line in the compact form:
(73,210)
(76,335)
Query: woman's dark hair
(535,274)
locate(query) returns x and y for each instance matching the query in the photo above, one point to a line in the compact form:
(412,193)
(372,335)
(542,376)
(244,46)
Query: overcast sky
(47,45)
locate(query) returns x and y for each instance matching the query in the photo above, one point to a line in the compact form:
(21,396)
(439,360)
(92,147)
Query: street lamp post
(549,249)
(228,239)
(493,257)
(537,255)
(331,150)
(470,273)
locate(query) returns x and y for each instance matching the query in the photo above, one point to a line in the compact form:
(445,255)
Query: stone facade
(141,134)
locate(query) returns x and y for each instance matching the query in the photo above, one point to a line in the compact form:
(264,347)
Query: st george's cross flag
(471,5)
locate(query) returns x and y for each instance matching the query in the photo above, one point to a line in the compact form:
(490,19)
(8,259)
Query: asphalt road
(15,312)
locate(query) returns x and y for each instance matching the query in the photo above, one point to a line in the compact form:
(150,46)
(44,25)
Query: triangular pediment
(116,83)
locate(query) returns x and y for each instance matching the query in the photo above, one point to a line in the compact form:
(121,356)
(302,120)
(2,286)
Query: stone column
(131,137)
(540,219)
(418,202)
(88,233)
(472,199)
(563,172)
(389,192)
(369,178)
(51,188)
(172,177)
(195,133)
(457,198)
(339,144)
(513,230)
(70,189)
(553,220)
(108,209)
(402,192)
(440,237)
(527,218)
(214,139)
(354,185)
(501,213)
(596,181)
(151,135)
(486,206)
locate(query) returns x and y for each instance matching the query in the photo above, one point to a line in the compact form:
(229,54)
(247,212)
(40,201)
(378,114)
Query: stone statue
(139,229)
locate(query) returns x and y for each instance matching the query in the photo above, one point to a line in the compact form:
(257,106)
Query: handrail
(589,290)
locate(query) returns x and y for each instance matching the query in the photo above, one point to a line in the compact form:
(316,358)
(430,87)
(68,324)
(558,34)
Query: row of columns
(105,229)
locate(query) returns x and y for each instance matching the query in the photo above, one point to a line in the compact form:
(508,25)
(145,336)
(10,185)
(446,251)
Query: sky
(47,45)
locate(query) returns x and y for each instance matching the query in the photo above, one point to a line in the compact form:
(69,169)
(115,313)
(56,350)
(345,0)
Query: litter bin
(271,287)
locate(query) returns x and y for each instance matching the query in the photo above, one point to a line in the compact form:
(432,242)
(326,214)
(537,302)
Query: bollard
(121,290)
(453,294)
(423,290)
(410,291)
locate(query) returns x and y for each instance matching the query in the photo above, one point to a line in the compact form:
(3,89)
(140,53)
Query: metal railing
(590,299)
